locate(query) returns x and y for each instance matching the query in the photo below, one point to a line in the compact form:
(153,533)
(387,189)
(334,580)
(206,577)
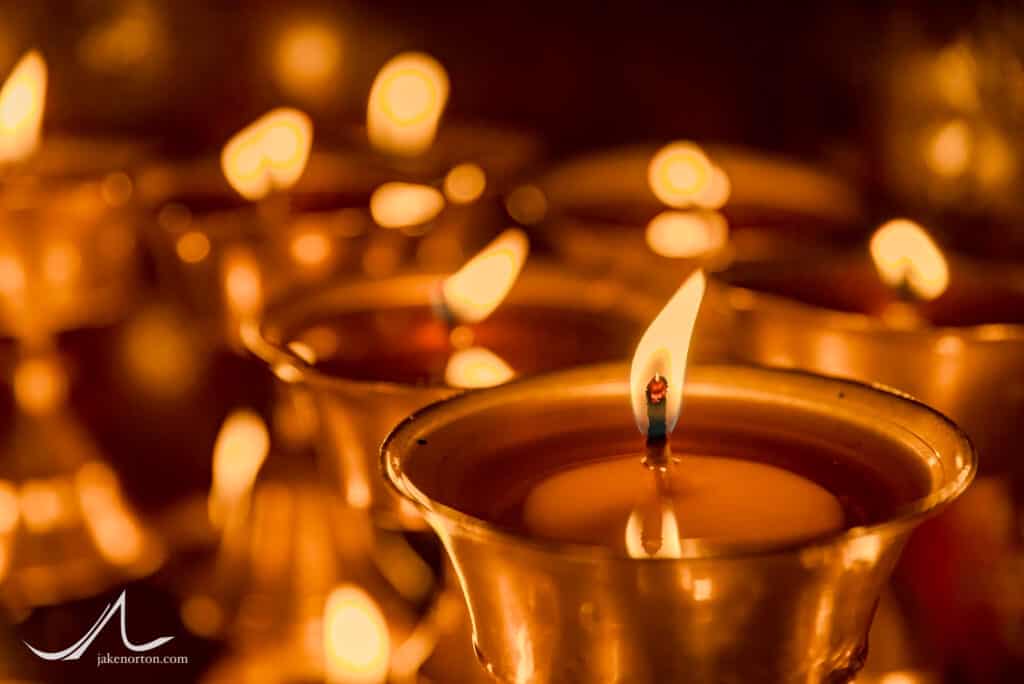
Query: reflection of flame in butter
(400,205)
(241,448)
(905,255)
(357,645)
(663,350)
(687,234)
(668,545)
(21,108)
(307,59)
(465,183)
(268,154)
(476,367)
(476,289)
(406,102)
(680,173)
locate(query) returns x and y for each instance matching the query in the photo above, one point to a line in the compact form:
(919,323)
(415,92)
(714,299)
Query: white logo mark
(75,651)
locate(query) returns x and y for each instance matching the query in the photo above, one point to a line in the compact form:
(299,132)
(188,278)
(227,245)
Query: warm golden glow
(465,183)
(663,350)
(307,59)
(243,285)
(9,508)
(192,247)
(113,529)
(21,108)
(905,256)
(679,174)
(476,289)
(476,367)
(655,538)
(41,505)
(400,205)
(406,102)
(268,154)
(159,354)
(311,248)
(357,645)
(716,193)
(949,149)
(241,447)
(687,234)
(40,384)
(527,204)
(12,275)
(61,262)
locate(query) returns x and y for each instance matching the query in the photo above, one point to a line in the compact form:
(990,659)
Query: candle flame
(400,205)
(476,289)
(243,283)
(465,183)
(241,447)
(268,154)
(680,174)
(476,367)
(905,256)
(662,542)
(112,527)
(357,645)
(406,102)
(21,108)
(663,351)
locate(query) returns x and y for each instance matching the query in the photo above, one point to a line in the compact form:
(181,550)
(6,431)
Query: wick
(659,454)
(440,306)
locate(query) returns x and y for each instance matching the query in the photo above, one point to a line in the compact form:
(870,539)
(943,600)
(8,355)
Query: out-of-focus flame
(113,529)
(465,183)
(240,449)
(21,108)
(664,544)
(311,247)
(680,173)
(307,59)
(476,289)
(192,247)
(949,149)
(716,193)
(687,234)
(663,351)
(243,284)
(357,645)
(476,367)
(42,507)
(159,354)
(268,154)
(406,102)
(400,205)
(905,256)
(40,384)
(527,204)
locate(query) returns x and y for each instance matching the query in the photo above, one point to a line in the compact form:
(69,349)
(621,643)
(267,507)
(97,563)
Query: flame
(476,367)
(42,506)
(240,449)
(400,205)
(21,108)
(465,183)
(680,173)
(476,289)
(406,102)
(639,542)
(906,256)
(663,351)
(311,247)
(268,154)
(357,645)
(687,234)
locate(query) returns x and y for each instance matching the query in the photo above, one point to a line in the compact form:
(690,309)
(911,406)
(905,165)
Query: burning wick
(659,453)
